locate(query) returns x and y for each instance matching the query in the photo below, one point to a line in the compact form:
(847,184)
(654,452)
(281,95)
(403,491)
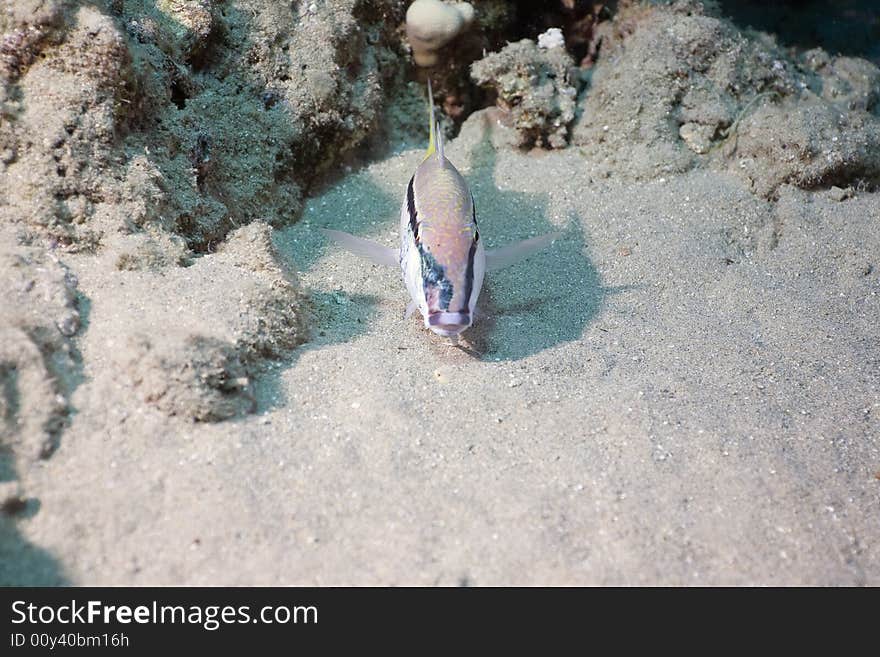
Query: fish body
(441,254)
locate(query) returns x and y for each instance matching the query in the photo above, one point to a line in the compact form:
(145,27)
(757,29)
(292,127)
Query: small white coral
(431,24)
(552,38)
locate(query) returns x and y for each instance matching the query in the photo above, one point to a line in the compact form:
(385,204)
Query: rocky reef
(678,86)
(431,24)
(178,362)
(150,146)
(188,117)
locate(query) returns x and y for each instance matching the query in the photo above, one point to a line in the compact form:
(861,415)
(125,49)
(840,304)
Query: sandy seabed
(682,390)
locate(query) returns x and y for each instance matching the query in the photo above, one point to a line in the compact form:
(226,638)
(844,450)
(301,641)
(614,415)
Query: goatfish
(441,255)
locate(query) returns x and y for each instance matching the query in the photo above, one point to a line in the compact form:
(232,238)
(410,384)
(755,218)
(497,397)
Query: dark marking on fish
(469,275)
(434,276)
(411,208)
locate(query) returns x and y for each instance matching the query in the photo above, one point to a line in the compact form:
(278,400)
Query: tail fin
(433,129)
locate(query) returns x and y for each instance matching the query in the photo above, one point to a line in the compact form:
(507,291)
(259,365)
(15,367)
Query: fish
(442,257)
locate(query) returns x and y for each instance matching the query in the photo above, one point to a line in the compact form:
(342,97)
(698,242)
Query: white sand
(682,391)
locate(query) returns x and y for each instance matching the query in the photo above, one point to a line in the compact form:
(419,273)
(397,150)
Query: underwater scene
(436,293)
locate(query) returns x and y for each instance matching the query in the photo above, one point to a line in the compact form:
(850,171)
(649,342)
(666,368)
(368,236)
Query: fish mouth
(448,324)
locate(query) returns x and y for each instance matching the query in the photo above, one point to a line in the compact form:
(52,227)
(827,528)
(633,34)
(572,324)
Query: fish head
(448,324)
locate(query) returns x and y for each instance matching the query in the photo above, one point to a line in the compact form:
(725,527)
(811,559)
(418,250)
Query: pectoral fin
(499,258)
(363,248)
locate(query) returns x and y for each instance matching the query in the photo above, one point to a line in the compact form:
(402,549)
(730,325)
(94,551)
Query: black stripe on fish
(434,276)
(469,274)
(411,208)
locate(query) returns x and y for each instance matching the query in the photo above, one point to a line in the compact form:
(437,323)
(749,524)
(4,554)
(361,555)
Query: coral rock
(198,357)
(677,86)
(534,85)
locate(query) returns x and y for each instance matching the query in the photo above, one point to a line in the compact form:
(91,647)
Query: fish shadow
(545,300)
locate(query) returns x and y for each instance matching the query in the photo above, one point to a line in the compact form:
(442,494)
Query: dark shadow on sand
(545,300)
(24,564)
(21,562)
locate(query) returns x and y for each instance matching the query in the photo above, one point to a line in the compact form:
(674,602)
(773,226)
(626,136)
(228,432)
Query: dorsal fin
(439,137)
